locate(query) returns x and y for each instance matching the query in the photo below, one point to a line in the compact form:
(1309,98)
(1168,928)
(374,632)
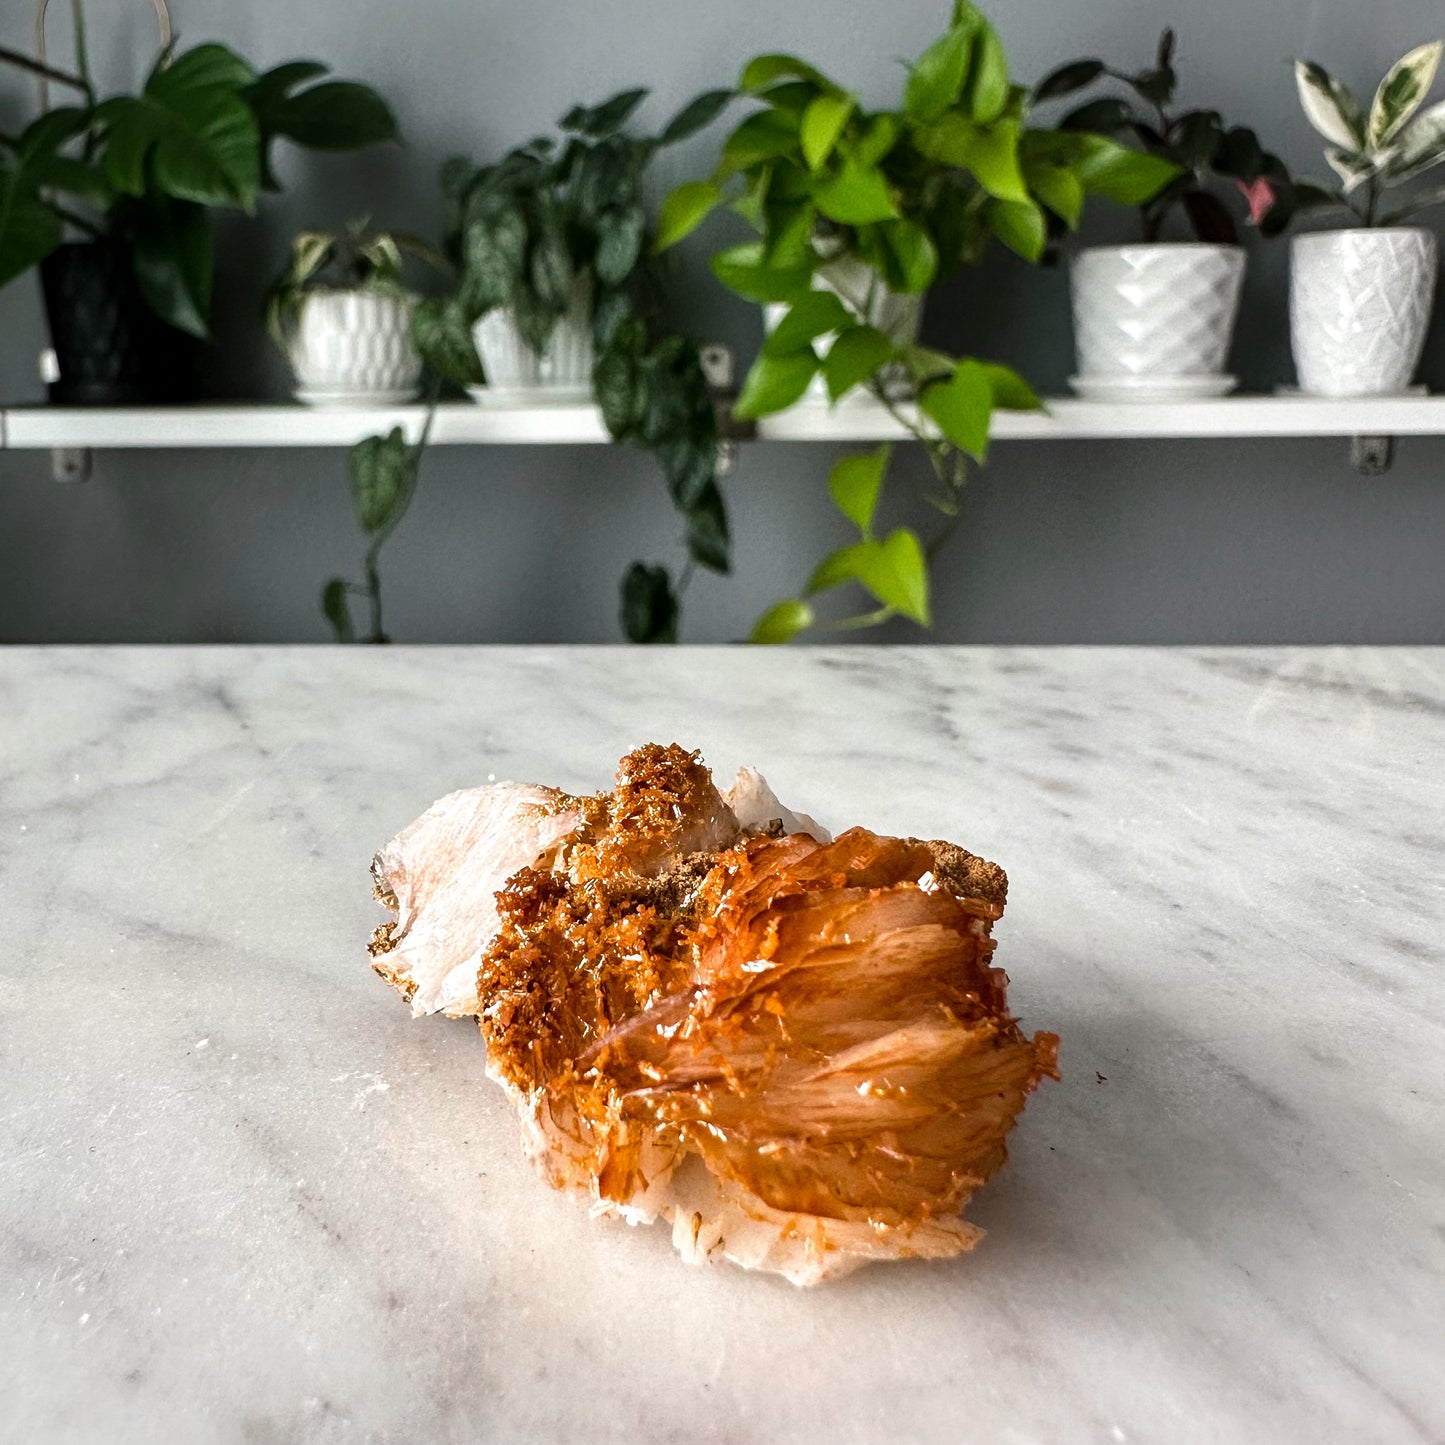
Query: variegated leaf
(1350,166)
(1418,147)
(1329,107)
(1402,90)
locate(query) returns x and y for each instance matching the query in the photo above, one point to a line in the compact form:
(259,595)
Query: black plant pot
(112,349)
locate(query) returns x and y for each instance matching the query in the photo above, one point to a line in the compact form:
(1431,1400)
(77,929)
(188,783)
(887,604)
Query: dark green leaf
(1107,114)
(609,310)
(962,406)
(337,115)
(810,317)
(1210,219)
(782,622)
(775,383)
(690,464)
(1068,78)
(336,610)
(171,253)
(551,272)
(382,471)
(601,120)
(43,138)
(936,81)
(29,229)
(443,335)
(853,357)
(203,67)
(856,483)
(683,211)
(696,115)
(856,196)
(1196,137)
(649,607)
(707,530)
(619,244)
(618,388)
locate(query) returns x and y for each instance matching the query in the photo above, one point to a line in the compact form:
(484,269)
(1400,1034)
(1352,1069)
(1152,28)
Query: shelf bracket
(719,367)
(70,464)
(1372,456)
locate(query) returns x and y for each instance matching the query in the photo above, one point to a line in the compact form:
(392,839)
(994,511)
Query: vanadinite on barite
(791,1046)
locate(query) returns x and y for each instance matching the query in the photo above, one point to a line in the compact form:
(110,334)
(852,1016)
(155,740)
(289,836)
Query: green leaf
(382,471)
(1058,188)
(853,357)
(1419,147)
(550,266)
(766,136)
(877,140)
(1108,113)
(993,157)
(171,254)
(696,115)
(1021,226)
(335,609)
(856,483)
(29,229)
(1067,79)
(962,406)
(620,244)
(986,91)
(43,138)
(619,390)
(337,115)
(1329,106)
(200,68)
(775,383)
(707,530)
(1010,391)
(740,269)
(896,573)
(649,607)
(936,81)
(1130,178)
(782,622)
(912,254)
(604,119)
(1401,92)
(763,70)
(822,124)
(443,335)
(856,196)
(684,211)
(811,316)
(838,567)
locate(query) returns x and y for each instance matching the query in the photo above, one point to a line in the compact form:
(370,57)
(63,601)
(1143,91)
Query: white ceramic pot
(564,366)
(355,345)
(1359,308)
(897,315)
(1155,311)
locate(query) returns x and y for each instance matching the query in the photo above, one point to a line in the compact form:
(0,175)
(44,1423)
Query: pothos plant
(356,259)
(906,197)
(1374,152)
(1197,142)
(146,169)
(520,233)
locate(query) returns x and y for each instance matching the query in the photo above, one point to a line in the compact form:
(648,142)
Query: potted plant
(1360,298)
(111,198)
(857,214)
(341,314)
(1154,321)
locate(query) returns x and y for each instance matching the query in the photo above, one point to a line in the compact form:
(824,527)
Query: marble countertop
(244,1197)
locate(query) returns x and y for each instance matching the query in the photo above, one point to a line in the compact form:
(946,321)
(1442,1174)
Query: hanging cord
(163,24)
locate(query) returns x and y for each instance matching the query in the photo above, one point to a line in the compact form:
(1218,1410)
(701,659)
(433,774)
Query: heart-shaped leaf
(855,355)
(684,211)
(822,124)
(774,383)
(857,196)
(811,316)
(649,606)
(782,622)
(962,406)
(856,483)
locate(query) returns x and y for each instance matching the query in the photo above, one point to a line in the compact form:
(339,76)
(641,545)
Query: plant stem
(82,54)
(45,72)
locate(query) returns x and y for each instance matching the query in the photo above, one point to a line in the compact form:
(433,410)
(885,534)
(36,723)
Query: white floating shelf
(466,424)
(1070,419)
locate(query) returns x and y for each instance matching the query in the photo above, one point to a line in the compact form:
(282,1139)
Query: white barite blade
(755,805)
(445,870)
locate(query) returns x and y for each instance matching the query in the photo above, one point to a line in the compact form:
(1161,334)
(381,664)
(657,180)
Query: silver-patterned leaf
(1418,147)
(1329,107)
(1402,90)
(1351,167)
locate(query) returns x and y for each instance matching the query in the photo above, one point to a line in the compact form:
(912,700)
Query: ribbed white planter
(355,344)
(898,316)
(566,363)
(1359,308)
(1155,311)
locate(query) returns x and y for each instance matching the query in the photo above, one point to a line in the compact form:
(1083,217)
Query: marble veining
(244,1197)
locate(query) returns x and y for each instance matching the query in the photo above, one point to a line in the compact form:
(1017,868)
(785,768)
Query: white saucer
(530,395)
(310,396)
(1154,388)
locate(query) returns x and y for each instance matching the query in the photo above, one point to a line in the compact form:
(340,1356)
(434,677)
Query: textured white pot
(1165,310)
(1359,308)
(898,316)
(355,342)
(566,364)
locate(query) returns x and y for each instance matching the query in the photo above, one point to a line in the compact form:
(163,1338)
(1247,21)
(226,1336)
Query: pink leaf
(1260,196)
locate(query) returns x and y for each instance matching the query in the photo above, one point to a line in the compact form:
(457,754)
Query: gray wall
(1122,542)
